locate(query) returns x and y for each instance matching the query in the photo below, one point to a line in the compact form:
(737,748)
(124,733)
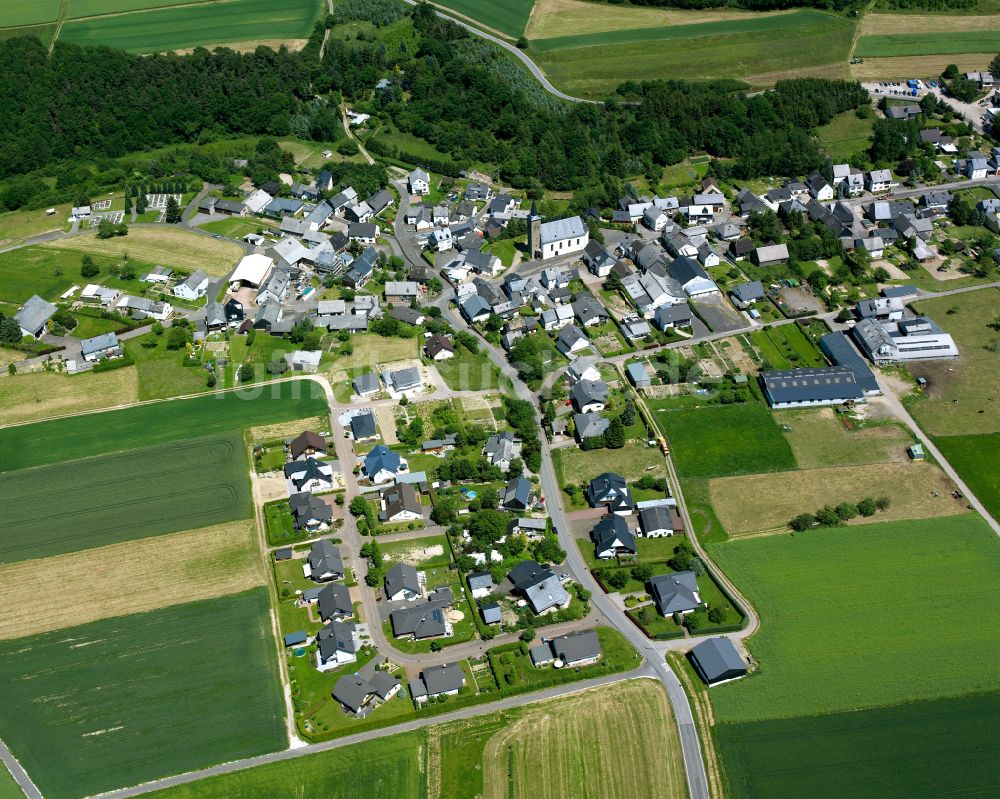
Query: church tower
(534,232)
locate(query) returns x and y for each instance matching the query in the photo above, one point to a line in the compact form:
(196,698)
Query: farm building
(838,349)
(252,270)
(717,661)
(800,388)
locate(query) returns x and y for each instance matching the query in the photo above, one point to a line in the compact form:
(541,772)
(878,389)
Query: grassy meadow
(113,498)
(845,136)
(166,29)
(196,683)
(88,435)
(858,617)
(169,246)
(38,395)
(963,394)
(720,440)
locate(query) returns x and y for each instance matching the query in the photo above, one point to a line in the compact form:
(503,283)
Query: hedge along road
(531,65)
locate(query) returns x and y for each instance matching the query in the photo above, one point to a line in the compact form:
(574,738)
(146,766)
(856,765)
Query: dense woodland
(75,113)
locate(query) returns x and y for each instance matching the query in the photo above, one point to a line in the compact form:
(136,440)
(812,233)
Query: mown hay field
(128,700)
(92,434)
(169,246)
(927,66)
(553,18)
(898,24)
(104,500)
(858,617)
(571,747)
(130,577)
(752,502)
(922,750)
(721,440)
(165,29)
(818,439)
(24,398)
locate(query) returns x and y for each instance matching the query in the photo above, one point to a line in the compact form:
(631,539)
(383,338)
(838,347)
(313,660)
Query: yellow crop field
(130,577)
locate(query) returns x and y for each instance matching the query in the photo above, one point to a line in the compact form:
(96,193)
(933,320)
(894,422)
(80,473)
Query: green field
(93,8)
(506,16)
(845,136)
(155,423)
(132,699)
(864,616)
(936,43)
(788,45)
(925,749)
(112,498)
(720,440)
(190,26)
(977,461)
(32,13)
(390,767)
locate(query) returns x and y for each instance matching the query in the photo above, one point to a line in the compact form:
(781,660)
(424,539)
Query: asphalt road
(19,774)
(531,65)
(348,740)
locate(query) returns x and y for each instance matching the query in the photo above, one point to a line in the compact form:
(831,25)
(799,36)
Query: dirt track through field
(615,743)
(126,578)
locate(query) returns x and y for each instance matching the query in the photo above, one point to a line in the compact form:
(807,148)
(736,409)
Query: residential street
(643,672)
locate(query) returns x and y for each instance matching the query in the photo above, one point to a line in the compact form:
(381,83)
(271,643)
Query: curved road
(531,65)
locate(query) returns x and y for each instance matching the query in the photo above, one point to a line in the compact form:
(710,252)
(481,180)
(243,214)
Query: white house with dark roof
(100,347)
(676,592)
(336,644)
(573,650)
(419,181)
(193,286)
(32,317)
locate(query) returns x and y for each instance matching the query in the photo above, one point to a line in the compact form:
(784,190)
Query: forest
(78,107)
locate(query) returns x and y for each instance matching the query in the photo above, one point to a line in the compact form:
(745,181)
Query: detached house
(717,661)
(597,259)
(323,562)
(501,449)
(419,181)
(675,593)
(402,583)
(308,475)
(192,287)
(589,396)
(439,348)
(383,464)
(878,180)
(307,444)
(336,644)
(572,340)
(33,315)
(309,512)
(434,681)
(611,491)
(612,537)
(401,503)
(334,602)
(573,650)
